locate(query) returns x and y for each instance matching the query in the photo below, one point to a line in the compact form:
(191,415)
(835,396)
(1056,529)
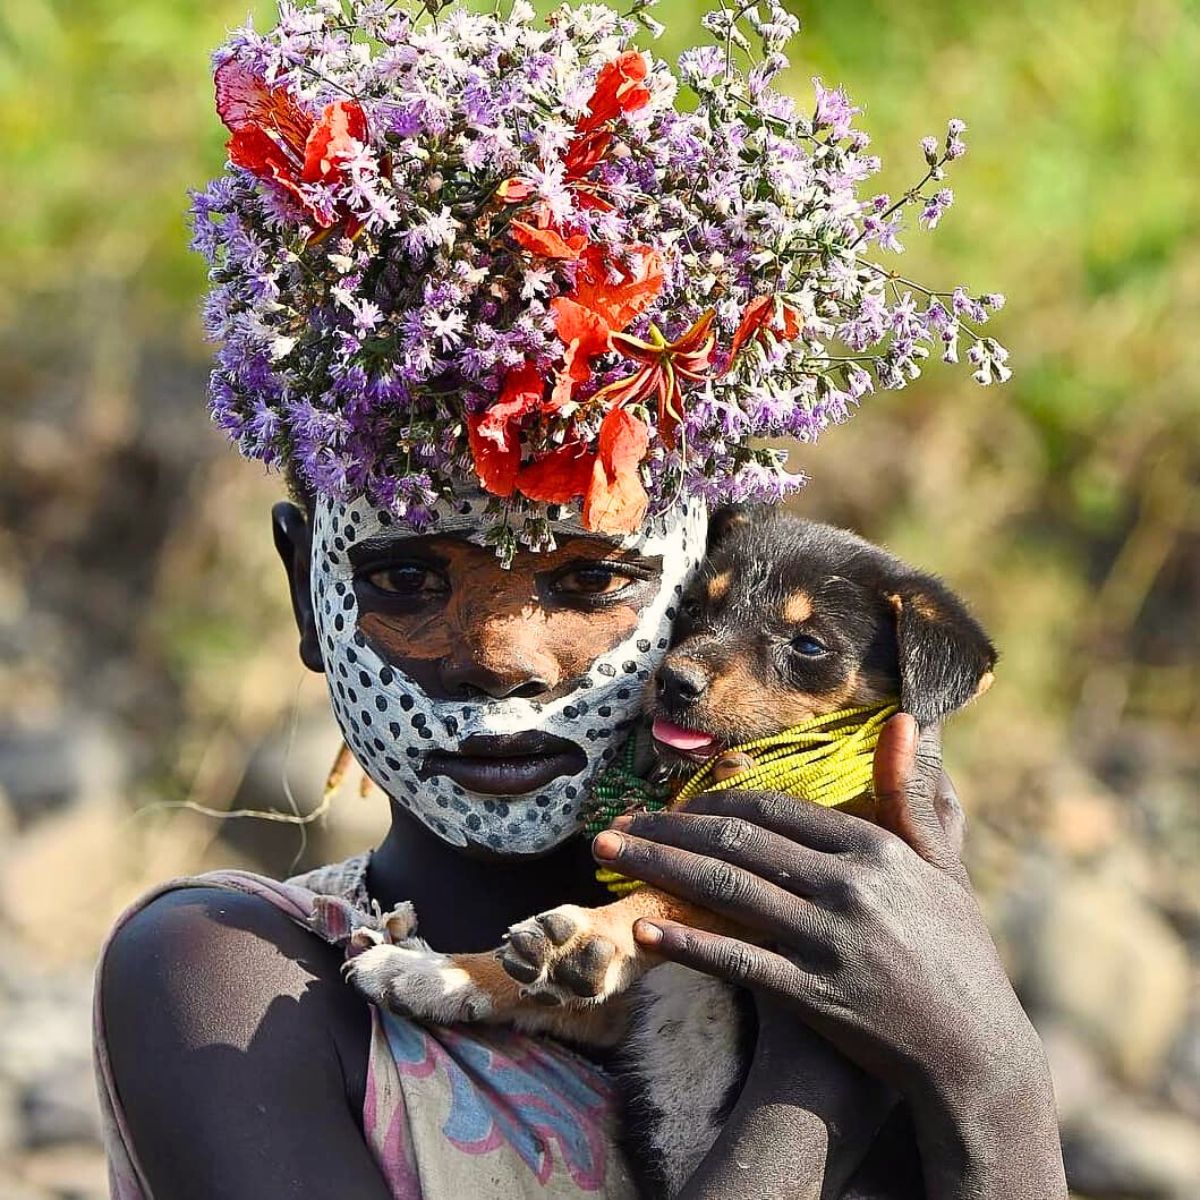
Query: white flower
(448,329)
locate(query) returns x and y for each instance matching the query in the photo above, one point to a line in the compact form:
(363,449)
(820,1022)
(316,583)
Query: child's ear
(945,657)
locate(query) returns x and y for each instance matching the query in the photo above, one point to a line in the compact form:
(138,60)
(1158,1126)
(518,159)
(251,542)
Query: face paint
(391,723)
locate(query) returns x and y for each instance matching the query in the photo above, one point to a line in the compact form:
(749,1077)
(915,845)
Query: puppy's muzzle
(680,685)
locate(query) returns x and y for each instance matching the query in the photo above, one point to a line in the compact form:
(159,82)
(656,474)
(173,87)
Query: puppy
(787,620)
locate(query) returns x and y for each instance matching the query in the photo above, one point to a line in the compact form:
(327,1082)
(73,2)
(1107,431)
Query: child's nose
(500,659)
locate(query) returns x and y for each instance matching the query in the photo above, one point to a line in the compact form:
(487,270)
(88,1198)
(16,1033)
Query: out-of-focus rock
(68,1172)
(1083,823)
(1121,1149)
(1079,1080)
(8,817)
(1183,1068)
(1100,958)
(49,767)
(10,1118)
(88,861)
(59,1105)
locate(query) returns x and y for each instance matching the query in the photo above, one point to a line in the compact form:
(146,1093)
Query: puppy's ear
(945,656)
(725,520)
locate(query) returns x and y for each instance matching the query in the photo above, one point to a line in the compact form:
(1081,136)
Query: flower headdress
(453,248)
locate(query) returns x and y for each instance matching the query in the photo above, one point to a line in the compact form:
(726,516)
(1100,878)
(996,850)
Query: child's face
(485,700)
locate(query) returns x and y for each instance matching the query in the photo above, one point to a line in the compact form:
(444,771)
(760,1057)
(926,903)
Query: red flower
(599,306)
(584,333)
(619,89)
(766,314)
(549,243)
(663,365)
(616,501)
(618,300)
(586,152)
(495,434)
(558,477)
(275,138)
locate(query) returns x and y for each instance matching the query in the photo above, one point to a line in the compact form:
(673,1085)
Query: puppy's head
(790,619)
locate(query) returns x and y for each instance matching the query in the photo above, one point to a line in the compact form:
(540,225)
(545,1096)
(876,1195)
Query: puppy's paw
(560,957)
(418,983)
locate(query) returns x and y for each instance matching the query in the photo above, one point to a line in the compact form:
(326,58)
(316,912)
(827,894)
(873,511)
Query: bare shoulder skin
(239,1055)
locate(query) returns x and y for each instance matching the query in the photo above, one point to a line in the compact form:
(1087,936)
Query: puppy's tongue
(679,738)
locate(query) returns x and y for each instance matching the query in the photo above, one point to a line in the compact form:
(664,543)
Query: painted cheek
(577,639)
(396,636)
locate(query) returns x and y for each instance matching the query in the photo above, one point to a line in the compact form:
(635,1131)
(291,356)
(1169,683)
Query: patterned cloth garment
(448,1112)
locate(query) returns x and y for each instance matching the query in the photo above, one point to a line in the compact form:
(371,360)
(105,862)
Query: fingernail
(647,934)
(607,845)
(622,822)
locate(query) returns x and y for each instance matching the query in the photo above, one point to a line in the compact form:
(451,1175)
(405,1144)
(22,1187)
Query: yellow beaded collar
(827,760)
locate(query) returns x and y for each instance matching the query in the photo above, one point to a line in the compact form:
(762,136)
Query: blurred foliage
(1065,502)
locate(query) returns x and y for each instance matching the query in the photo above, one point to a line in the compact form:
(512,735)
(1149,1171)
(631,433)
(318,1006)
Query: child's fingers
(900,807)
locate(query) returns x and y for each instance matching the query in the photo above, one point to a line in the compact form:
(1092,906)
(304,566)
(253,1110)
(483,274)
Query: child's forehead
(456,551)
(471,519)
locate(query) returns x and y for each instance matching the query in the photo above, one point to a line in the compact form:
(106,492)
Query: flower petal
(245,100)
(496,454)
(547,242)
(580,325)
(755,313)
(619,89)
(623,441)
(559,477)
(343,125)
(616,501)
(514,190)
(630,294)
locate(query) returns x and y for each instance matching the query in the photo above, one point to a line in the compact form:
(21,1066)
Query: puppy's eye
(690,608)
(807,646)
(410,581)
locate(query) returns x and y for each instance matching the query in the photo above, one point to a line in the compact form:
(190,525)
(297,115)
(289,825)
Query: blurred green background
(146,650)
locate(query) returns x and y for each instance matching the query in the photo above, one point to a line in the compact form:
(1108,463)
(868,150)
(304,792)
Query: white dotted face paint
(391,723)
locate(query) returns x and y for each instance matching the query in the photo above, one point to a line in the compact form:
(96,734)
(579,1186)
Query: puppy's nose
(681,684)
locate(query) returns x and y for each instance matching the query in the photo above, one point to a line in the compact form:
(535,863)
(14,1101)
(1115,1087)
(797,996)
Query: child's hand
(874,939)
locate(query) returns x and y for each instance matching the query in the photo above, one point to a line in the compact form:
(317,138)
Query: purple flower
(883,233)
(834,110)
(935,208)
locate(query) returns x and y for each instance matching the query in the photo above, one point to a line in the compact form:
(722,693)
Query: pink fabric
(449,1112)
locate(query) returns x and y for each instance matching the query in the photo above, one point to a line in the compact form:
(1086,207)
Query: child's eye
(411,580)
(600,580)
(808,646)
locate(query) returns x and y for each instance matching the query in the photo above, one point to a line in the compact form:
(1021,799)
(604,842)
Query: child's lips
(686,741)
